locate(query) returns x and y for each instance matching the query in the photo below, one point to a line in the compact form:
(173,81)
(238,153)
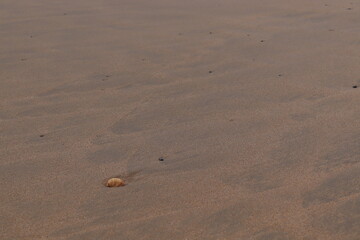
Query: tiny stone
(355,86)
(262,41)
(210,71)
(42,135)
(115,182)
(161,159)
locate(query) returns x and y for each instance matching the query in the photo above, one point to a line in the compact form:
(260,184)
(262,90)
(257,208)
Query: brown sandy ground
(266,146)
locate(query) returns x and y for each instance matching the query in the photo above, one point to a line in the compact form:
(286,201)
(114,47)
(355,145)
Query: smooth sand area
(249,104)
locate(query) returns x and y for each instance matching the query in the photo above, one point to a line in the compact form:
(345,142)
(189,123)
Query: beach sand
(250,105)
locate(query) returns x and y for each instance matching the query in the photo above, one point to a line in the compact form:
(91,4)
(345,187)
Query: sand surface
(249,102)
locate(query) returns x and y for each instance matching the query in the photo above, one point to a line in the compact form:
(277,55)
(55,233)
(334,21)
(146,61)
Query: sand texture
(226,119)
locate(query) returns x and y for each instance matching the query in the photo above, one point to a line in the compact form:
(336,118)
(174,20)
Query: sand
(250,105)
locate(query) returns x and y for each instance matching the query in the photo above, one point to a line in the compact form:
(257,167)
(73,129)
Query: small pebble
(210,71)
(42,135)
(355,86)
(115,182)
(161,159)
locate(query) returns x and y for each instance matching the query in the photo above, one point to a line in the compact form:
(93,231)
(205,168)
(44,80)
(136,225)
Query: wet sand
(250,105)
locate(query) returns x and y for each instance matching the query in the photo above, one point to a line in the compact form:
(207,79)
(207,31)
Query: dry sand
(249,102)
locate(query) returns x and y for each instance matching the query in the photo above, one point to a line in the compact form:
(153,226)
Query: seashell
(115,182)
